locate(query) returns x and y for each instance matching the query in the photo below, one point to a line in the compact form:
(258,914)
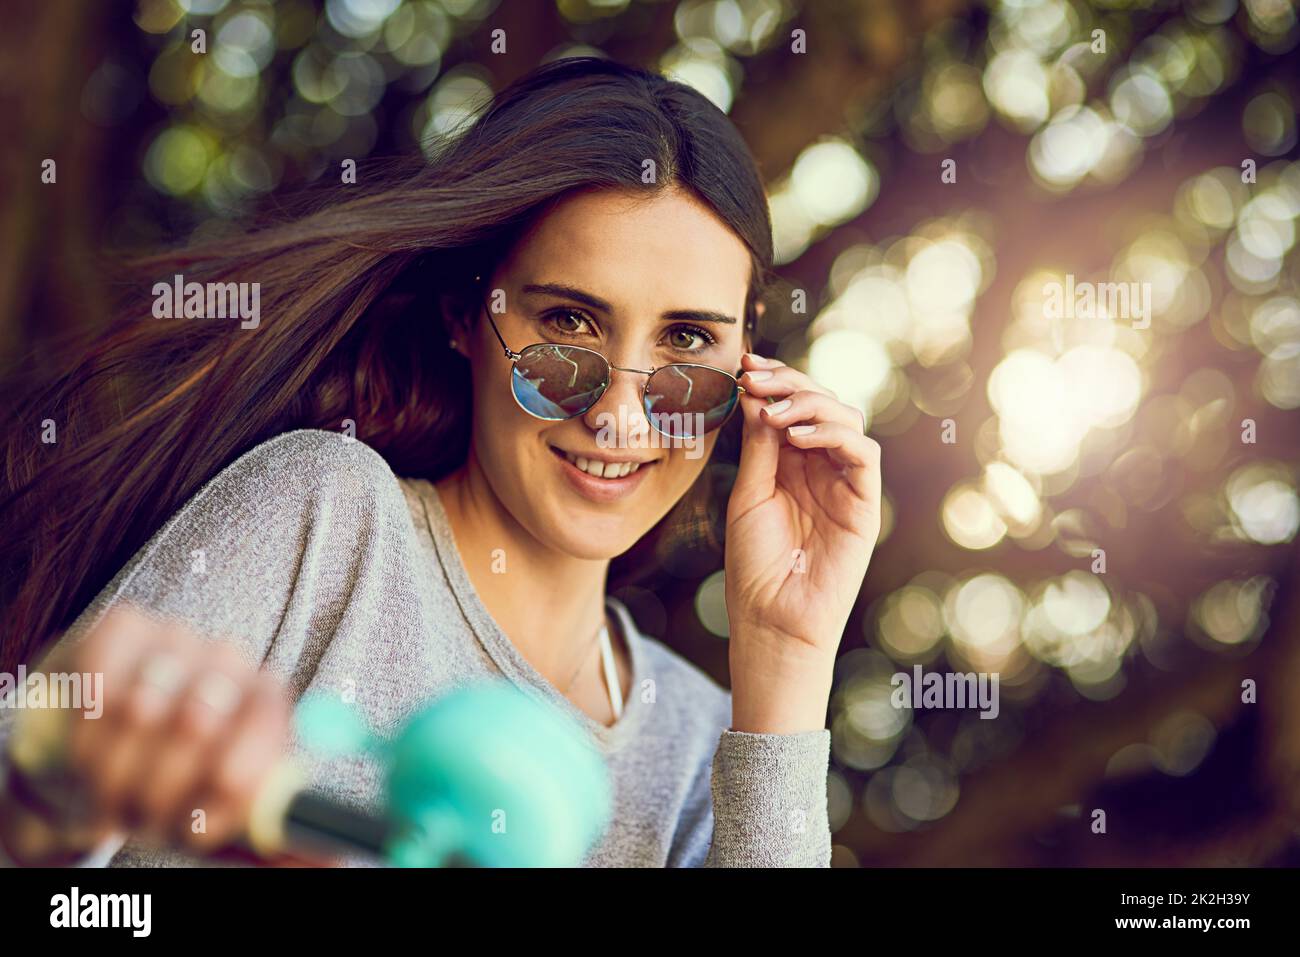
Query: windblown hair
(353,298)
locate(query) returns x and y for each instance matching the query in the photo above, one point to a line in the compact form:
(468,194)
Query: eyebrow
(595,302)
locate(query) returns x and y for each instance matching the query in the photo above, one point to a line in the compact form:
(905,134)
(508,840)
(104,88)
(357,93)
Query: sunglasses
(683,400)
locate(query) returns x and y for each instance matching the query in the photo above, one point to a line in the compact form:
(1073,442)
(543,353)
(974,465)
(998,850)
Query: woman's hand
(802,521)
(186,726)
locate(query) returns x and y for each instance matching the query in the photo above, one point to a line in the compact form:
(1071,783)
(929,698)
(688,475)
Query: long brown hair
(352,299)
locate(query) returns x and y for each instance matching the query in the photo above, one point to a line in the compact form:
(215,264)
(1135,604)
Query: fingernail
(776,408)
(759,375)
(801,429)
(755,357)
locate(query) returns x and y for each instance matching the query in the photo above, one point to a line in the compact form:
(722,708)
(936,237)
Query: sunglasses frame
(514,357)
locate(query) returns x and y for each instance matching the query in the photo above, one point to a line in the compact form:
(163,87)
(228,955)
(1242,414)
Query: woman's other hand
(188,732)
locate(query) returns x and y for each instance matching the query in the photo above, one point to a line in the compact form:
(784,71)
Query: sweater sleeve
(264,555)
(769,800)
(765,804)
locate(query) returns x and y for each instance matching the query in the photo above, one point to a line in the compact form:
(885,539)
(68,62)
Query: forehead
(665,249)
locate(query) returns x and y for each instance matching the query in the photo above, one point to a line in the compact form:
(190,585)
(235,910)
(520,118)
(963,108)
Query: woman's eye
(567,321)
(689,338)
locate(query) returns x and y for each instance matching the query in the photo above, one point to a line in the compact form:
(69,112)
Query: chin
(593,538)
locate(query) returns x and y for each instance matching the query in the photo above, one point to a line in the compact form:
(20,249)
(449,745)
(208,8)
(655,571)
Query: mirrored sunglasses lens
(558,382)
(684,401)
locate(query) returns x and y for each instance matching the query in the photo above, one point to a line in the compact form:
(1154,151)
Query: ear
(453,321)
(759,308)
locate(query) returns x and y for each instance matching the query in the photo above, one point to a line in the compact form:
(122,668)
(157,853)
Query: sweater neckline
(514,666)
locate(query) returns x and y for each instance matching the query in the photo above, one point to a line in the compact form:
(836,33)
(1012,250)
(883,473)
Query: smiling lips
(600,468)
(600,481)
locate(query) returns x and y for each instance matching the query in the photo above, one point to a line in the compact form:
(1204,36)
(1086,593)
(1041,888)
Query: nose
(619,414)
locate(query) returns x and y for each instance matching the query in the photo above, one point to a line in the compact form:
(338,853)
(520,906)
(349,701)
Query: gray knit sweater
(335,574)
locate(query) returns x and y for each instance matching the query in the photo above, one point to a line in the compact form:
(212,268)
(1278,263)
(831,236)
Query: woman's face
(645,281)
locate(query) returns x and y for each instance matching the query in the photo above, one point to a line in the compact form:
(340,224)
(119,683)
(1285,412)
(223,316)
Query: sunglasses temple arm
(509,353)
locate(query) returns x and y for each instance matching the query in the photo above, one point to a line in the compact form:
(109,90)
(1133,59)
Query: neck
(549,603)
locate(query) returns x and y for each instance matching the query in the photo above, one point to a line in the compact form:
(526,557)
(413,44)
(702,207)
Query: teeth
(609,470)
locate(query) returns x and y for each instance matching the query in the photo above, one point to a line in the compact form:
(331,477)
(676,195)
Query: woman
(378,491)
